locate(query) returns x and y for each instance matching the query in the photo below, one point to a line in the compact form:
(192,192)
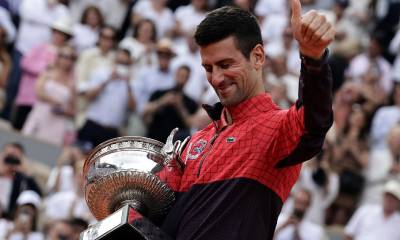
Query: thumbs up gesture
(312,30)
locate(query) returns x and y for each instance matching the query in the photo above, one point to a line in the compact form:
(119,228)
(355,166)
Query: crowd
(75,73)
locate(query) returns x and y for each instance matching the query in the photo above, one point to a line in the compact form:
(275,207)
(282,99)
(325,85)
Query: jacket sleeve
(315,103)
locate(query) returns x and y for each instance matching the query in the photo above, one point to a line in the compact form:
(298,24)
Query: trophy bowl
(123,171)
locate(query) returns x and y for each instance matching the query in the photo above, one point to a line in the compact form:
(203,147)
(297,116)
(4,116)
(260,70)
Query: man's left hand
(312,30)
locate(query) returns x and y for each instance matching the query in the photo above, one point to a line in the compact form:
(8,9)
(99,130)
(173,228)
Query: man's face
(10,150)
(390,203)
(233,77)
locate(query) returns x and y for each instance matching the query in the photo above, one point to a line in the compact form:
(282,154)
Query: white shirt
(307,230)
(395,49)
(384,120)
(54,211)
(188,17)
(267,7)
(369,223)
(149,80)
(85,37)
(66,179)
(360,65)
(5,226)
(110,107)
(7,24)
(376,174)
(5,192)
(164,20)
(36,21)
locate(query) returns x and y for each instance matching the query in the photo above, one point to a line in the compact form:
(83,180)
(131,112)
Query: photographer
(170,108)
(14,177)
(294,226)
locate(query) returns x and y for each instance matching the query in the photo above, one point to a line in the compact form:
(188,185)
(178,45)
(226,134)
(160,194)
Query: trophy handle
(172,152)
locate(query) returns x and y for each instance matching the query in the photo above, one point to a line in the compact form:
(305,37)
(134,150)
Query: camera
(12,160)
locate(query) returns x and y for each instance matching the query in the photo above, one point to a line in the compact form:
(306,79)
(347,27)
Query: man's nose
(217,77)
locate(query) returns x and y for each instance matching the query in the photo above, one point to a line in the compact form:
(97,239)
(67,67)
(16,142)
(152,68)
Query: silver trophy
(124,190)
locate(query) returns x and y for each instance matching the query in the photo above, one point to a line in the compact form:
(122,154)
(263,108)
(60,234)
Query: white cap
(63,25)
(29,197)
(393,187)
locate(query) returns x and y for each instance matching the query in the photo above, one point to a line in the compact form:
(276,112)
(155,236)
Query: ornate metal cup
(124,171)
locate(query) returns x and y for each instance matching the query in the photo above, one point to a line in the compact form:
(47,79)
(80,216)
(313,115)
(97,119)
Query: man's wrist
(313,63)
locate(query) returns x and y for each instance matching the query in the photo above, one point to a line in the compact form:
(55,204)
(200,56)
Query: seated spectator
(189,16)
(151,79)
(86,33)
(317,177)
(51,118)
(373,61)
(78,226)
(380,221)
(5,65)
(383,164)
(158,12)
(60,230)
(168,109)
(14,177)
(26,217)
(142,44)
(385,119)
(109,91)
(33,64)
(62,177)
(73,202)
(93,58)
(294,226)
(7,24)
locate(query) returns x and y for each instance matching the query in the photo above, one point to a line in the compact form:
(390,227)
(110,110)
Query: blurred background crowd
(74,73)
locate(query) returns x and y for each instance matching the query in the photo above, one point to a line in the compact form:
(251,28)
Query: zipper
(208,152)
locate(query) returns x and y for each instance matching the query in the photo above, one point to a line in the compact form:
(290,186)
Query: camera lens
(12,160)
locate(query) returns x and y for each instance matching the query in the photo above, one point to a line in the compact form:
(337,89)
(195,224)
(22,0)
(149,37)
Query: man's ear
(257,56)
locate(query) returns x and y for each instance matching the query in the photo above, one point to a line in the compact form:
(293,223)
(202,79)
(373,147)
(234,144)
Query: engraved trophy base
(126,223)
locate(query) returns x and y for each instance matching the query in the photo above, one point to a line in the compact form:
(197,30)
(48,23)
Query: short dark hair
(230,21)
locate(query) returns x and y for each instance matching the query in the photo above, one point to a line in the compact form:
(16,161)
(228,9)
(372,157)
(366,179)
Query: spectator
(14,177)
(25,221)
(394,49)
(385,118)
(294,226)
(78,226)
(318,177)
(86,33)
(51,117)
(171,108)
(36,19)
(383,165)
(5,65)
(151,79)
(380,220)
(73,202)
(142,44)
(189,16)
(61,229)
(157,11)
(100,56)
(62,177)
(109,90)
(373,61)
(33,64)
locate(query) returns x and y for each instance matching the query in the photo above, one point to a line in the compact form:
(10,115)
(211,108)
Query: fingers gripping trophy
(124,190)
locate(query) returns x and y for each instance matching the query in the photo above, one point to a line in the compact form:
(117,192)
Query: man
(108,90)
(371,222)
(171,108)
(240,169)
(295,226)
(13,177)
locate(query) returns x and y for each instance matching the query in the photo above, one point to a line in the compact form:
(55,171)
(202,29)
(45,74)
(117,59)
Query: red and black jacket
(238,175)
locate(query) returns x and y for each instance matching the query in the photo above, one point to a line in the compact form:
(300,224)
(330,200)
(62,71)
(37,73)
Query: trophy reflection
(124,190)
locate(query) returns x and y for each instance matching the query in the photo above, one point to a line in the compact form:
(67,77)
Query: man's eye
(208,69)
(224,65)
